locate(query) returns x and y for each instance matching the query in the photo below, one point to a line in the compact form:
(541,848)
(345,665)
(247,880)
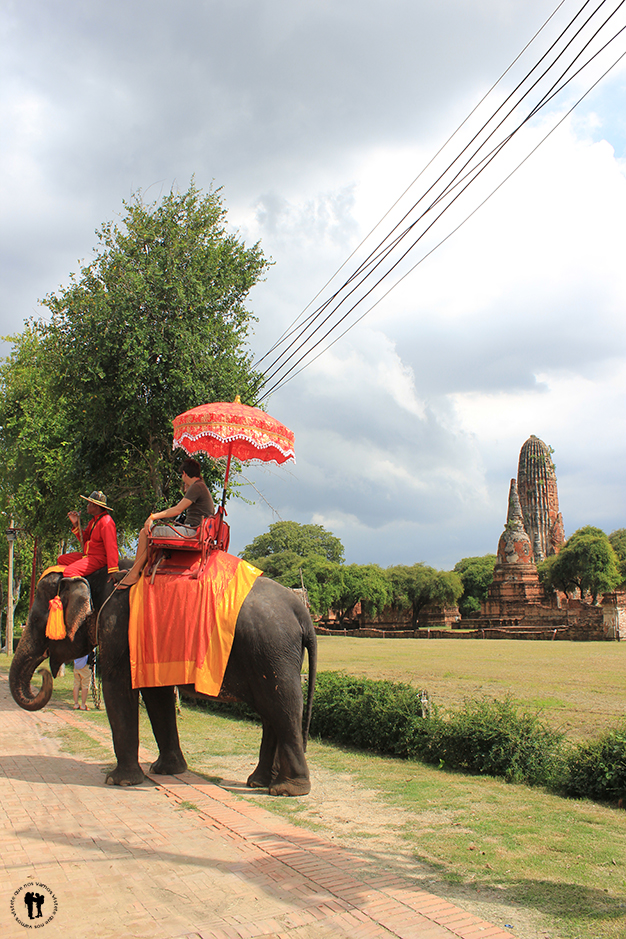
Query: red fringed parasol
(230,428)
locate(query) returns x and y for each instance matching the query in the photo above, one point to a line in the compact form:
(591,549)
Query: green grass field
(580,687)
(553,868)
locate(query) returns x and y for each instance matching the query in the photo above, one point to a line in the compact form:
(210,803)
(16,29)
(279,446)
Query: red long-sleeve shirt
(99,541)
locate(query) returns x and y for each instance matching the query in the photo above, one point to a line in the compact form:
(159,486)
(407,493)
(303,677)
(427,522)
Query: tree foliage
(302,540)
(476,574)
(292,553)
(153,325)
(323,580)
(365,583)
(618,543)
(417,586)
(586,562)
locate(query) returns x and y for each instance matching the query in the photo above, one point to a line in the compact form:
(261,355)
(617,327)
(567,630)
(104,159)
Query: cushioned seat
(212,535)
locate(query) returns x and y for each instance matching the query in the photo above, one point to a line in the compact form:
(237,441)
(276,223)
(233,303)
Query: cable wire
(474,165)
(290,328)
(284,380)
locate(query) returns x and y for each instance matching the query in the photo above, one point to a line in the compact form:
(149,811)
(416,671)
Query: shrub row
(492,737)
(485,736)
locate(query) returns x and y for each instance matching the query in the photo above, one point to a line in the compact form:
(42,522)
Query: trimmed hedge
(496,738)
(486,736)
(597,770)
(383,716)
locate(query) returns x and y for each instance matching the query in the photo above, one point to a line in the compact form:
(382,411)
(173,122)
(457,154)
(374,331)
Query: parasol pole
(230,453)
(221,512)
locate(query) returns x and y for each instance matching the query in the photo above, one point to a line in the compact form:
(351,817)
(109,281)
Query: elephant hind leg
(292,778)
(267,767)
(282,767)
(282,763)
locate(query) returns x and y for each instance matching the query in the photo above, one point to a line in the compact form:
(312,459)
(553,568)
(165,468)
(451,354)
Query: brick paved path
(179,857)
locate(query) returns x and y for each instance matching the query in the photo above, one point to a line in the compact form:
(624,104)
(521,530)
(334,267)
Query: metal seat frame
(213,535)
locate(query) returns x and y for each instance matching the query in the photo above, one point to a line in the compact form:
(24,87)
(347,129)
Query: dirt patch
(361,821)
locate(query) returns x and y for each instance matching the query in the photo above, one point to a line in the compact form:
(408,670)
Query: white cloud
(315,117)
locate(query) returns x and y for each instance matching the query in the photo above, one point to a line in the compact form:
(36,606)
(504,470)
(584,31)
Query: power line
(284,380)
(476,162)
(288,332)
(375,259)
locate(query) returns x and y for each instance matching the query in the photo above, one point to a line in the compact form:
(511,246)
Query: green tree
(586,562)
(323,580)
(38,479)
(288,548)
(618,543)
(283,567)
(153,325)
(476,575)
(417,586)
(303,540)
(365,583)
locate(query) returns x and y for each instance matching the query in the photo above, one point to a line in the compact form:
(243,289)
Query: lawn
(580,687)
(552,868)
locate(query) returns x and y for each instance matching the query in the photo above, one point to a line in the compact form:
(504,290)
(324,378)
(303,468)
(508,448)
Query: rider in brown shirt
(197,503)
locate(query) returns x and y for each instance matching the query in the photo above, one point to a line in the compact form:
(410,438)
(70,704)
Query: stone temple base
(513,589)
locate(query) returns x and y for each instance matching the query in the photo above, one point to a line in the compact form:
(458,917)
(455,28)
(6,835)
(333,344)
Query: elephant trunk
(22,670)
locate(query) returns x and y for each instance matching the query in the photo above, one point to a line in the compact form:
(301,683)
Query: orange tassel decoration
(55,627)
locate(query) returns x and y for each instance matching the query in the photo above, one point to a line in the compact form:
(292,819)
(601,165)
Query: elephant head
(77,596)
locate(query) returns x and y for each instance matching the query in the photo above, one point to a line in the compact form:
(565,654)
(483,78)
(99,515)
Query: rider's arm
(168,513)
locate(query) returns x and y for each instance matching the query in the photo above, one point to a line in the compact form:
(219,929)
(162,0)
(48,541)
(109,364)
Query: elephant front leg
(122,705)
(161,707)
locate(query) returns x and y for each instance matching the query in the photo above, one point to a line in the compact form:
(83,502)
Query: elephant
(264,670)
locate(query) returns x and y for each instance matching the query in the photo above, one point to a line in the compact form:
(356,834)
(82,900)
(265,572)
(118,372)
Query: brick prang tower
(539,499)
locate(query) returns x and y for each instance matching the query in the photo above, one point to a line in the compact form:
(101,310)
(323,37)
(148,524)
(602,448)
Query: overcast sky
(314,116)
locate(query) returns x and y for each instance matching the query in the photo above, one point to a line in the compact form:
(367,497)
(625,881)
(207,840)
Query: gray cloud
(312,116)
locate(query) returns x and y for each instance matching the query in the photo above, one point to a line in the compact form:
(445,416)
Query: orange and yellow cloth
(181,629)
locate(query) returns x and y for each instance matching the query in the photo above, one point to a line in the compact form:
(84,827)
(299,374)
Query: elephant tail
(310,644)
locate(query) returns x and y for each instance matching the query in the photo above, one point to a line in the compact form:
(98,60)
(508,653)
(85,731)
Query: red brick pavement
(179,858)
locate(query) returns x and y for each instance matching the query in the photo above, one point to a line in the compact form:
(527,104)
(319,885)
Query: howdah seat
(212,535)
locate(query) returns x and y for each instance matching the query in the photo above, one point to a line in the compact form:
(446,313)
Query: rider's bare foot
(129,581)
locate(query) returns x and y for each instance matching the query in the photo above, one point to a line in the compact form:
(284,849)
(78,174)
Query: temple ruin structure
(516,606)
(515,582)
(539,499)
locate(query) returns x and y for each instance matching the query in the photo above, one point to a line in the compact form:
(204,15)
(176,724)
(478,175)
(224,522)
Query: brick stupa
(515,582)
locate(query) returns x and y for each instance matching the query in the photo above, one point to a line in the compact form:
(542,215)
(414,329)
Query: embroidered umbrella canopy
(233,429)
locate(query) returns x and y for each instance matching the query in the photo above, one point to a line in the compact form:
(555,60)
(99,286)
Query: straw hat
(98,498)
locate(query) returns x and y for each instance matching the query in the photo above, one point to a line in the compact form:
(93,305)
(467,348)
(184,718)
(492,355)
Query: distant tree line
(310,556)
(294,554)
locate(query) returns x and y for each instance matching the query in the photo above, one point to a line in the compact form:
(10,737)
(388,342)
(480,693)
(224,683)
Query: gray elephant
(264,671)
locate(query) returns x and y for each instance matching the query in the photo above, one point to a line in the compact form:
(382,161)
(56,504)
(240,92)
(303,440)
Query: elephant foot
(170,765)
(258,780)
(126,777)
(290,787)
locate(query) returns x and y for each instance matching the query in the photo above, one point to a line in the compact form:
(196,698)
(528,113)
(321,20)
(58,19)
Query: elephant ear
(76,598)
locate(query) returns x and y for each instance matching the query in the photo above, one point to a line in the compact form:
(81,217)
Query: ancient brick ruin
(516,607)
(539,499)
(533,531)
(515,582)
